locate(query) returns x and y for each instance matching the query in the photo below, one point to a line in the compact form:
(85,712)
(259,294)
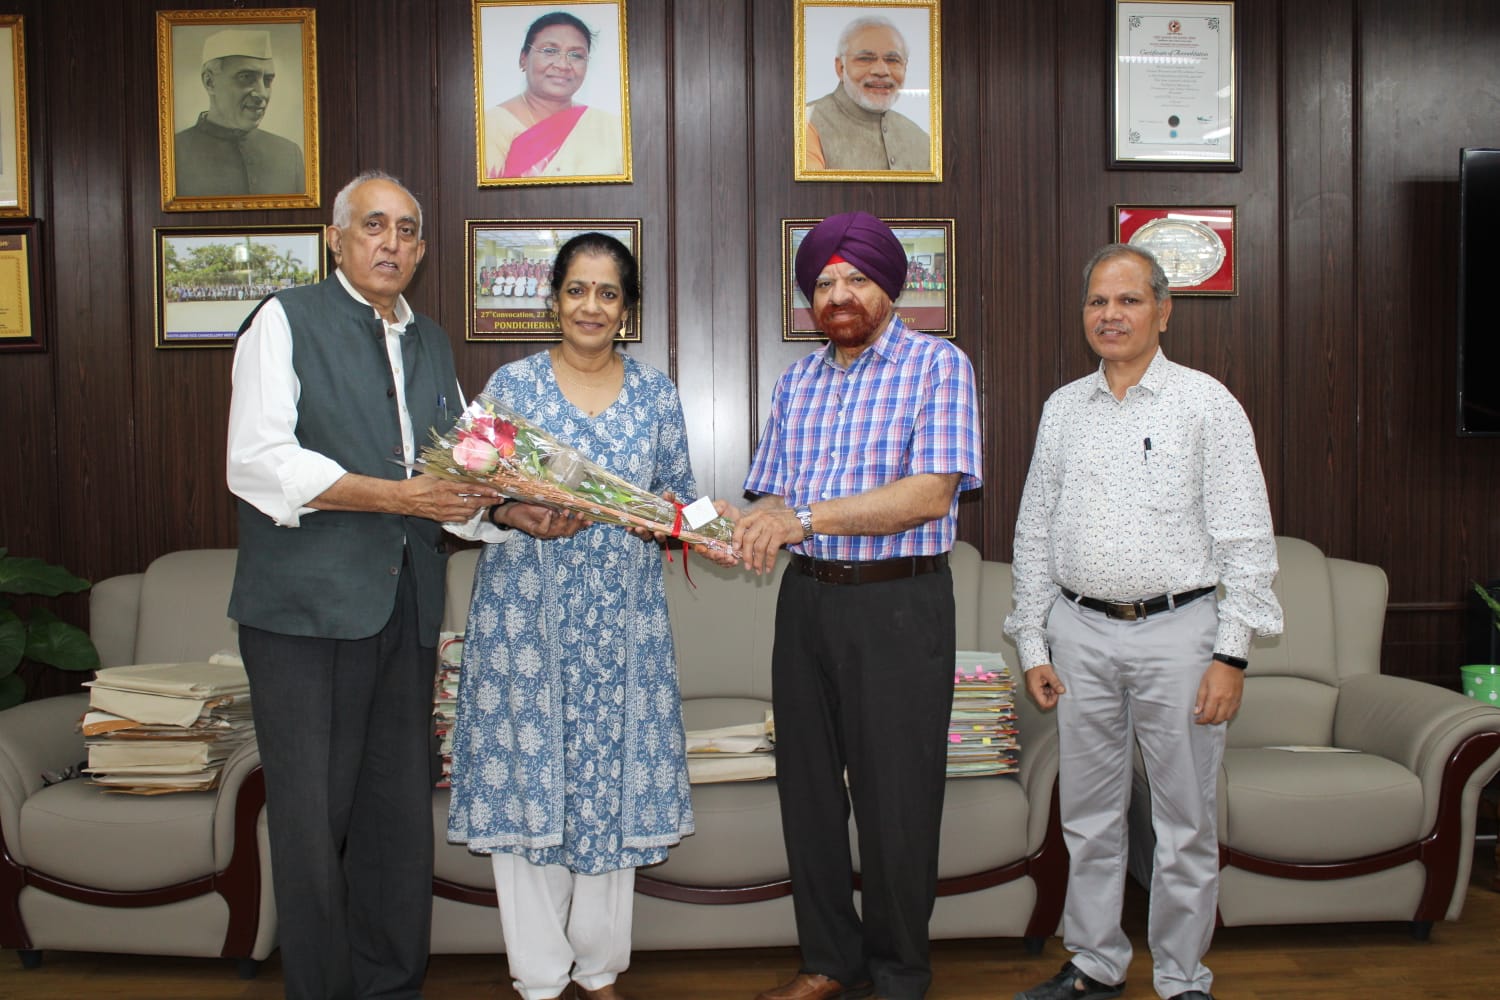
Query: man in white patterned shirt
(1144,495)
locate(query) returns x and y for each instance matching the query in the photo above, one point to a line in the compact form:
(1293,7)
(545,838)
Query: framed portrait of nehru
(869,93)
(237,93)
(551,92)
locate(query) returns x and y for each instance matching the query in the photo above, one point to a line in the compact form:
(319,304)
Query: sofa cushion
(984,826)
(1284,711)
(1345,805)
(738,840)
(184,607)
(77,832)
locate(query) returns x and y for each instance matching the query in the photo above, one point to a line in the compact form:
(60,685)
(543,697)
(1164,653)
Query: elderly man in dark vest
(338,592)
(854,128)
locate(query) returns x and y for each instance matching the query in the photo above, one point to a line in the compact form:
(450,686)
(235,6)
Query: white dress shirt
(1157,493)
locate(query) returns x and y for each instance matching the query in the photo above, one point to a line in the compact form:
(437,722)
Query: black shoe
(1072,984)
(1193,995)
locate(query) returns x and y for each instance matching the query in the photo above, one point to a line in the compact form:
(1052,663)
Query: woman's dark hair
(603,244)
(557,17)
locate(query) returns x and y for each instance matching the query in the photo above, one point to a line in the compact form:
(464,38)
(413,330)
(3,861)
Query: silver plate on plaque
(1188,251)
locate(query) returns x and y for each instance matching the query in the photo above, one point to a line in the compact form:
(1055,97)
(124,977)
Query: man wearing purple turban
(869,442)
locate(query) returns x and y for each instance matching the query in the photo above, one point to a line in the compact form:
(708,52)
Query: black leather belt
(870,571)
(1138,610)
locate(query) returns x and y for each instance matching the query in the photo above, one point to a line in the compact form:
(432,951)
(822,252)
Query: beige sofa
(1002,868)
(1381,831)
(86,870)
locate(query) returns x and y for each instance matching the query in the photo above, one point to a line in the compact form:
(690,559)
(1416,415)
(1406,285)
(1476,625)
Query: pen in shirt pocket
(1146,450)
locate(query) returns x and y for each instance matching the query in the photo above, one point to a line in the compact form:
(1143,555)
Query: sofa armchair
(1002,868)
(87,870)
(1373,817)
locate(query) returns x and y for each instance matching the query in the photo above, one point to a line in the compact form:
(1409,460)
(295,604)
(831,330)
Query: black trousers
(862,679)
(343,728)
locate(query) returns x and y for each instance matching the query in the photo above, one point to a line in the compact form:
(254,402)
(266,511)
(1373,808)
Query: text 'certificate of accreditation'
(1174,84)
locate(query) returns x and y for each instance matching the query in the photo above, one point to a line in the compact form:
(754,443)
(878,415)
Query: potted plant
(1482,680)
(41,637)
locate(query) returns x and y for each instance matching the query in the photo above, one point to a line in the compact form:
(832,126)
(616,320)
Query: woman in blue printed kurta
(568,751)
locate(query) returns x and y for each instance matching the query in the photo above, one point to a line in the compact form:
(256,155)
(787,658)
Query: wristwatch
(804,515)
(1237,662)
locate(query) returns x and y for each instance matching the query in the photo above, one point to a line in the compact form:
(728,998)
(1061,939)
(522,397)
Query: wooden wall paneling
(1319,317)
(1017,291)
(1427,87)
(30,523)
(89,132)
(712,241)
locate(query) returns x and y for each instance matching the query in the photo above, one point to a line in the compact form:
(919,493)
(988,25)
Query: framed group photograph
(1175,86)
(509,263)
(551,92)
(20,288)
(926,299)
(1193,245)
(208,280)
(15,162)
(237,99)
(869,91)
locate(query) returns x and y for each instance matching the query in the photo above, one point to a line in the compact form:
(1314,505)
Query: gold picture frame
(20,287)
(844,115)
(207,163)
(509,265)
(570,121)
(926,302)
(15,158)
(210,278)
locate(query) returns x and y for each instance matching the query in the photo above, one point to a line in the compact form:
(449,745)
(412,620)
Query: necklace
(560,366)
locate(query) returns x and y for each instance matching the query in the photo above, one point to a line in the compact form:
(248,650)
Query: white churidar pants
(1124,680)
(560,925)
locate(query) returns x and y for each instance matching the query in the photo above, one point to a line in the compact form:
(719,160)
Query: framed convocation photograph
(926,299)
(1195,246)
(509,264)
(15,160)
(237,99)
(209,280)
(869,90)
(20,288)
(1175,93)
(551,92)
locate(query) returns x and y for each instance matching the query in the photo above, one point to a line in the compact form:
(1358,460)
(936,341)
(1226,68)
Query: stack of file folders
(165,727)
(982,732)
(445,699)
(732,753)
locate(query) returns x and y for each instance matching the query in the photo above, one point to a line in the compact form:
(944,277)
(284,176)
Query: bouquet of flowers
(492,445)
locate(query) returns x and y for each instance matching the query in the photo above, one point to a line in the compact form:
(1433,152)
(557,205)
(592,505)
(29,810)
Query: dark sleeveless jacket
(335,575)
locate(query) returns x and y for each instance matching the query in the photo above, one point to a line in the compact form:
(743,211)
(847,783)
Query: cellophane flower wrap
(493,445)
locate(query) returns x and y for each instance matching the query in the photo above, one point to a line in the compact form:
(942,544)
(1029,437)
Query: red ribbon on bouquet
(676,532)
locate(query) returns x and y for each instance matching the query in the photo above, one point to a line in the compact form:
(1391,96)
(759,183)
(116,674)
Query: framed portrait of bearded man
(551,92)
(869,92)
(237,95)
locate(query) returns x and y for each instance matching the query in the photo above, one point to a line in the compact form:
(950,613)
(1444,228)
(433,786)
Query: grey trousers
(1137,681)
(343,728)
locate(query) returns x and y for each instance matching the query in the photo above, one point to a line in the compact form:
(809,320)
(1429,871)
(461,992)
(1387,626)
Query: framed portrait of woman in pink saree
(551,92)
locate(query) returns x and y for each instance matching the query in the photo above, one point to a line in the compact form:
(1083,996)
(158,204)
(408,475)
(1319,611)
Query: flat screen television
(1478,273)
